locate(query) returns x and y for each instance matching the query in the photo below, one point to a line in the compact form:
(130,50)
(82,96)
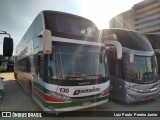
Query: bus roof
(128,38)
(62,13)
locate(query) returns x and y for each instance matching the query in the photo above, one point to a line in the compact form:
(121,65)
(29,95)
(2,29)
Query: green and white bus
(60,63)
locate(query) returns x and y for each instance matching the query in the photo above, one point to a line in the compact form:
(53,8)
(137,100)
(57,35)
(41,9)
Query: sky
(17,15)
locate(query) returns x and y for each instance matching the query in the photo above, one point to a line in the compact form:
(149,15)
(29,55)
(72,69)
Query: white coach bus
(60,63)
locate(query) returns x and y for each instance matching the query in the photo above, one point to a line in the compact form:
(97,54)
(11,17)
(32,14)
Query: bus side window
(37,26)
(39,64)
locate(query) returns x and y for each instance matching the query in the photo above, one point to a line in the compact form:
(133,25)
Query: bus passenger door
(115,69)
(42,67)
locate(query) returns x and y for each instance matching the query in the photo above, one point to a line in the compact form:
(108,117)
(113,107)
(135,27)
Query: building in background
(143,17)
(147,16)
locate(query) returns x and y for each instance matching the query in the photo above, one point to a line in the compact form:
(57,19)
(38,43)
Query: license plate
(86,103)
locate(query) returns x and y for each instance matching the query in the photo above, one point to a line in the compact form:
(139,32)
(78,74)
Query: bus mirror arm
(117,46)
(130,53)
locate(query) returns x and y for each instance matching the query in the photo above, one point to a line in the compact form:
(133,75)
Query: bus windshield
(76,63)
(142,70)
(69,26)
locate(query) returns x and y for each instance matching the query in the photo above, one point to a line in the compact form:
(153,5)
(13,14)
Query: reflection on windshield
(130,39)
(75,62)
(142,70)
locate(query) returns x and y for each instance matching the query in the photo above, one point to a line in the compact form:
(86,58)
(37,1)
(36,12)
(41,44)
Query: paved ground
(15,99)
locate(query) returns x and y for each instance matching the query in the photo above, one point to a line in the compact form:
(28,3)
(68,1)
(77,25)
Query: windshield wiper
(100,75)
(94,76)
(78,76)
(74,77)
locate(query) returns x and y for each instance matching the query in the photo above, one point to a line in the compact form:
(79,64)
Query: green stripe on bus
(43,89)
(69,104)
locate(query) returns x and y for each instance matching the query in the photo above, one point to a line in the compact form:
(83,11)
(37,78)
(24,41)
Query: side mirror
(47,42)
(2,78)
(7,46)
(117,46)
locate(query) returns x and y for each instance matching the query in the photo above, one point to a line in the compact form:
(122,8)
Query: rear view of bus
(134,78)
(66,67)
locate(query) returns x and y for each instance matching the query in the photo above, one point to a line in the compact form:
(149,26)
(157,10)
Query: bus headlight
(58,96)
(131,88)
(105,92)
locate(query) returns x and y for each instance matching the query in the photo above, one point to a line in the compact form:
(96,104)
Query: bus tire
(30,90)
(15,75)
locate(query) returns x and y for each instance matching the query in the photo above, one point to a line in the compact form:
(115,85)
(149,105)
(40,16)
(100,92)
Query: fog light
(51,107)
(149,97)
(106,93)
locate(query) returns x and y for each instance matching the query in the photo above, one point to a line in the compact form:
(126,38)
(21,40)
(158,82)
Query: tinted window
(115,65)
(24,65)
(70,26)
(129,39)
(35,28)
(37,25)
